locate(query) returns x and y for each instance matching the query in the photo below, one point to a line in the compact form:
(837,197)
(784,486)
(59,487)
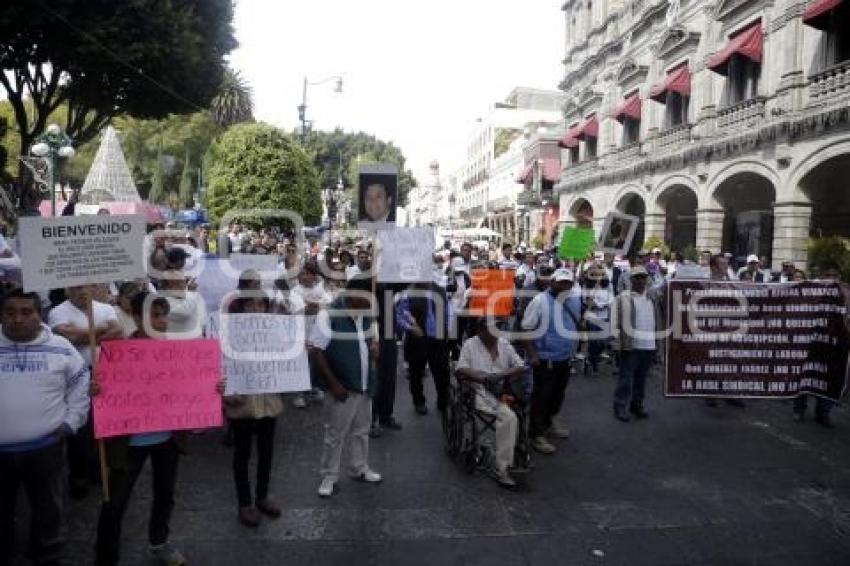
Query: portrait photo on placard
(377,195)
(618,232)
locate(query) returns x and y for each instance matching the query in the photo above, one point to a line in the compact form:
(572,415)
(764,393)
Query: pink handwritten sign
(157,385)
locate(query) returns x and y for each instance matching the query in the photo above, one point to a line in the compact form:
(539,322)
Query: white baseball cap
(656,250)
(562,274)
(752,258)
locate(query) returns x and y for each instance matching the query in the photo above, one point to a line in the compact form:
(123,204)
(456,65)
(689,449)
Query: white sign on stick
(405,255)
(263,353)
(77,250)
(216,277)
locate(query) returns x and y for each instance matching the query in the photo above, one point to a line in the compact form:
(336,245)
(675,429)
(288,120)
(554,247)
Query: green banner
(576,243)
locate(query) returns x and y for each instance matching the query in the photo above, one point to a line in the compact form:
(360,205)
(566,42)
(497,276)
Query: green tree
(233,102)
(101,58)
(157,190)
(187,187)
(255,165)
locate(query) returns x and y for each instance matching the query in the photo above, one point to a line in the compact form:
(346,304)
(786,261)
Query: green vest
(343,353)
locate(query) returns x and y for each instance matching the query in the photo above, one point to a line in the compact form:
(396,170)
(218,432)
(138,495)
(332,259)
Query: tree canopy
(101,58)
(233,102)
(340,153)
(255,165)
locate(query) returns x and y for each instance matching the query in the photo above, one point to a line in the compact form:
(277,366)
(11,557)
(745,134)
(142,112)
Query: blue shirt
(149,438)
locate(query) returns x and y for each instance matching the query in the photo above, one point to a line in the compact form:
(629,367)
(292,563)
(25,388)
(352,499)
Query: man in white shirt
(308,297)
(486,358)
(343,366)
(69,320)
(187,312)
(43,399)
(634,324)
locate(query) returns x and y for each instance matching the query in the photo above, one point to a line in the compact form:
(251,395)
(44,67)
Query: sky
(415,73)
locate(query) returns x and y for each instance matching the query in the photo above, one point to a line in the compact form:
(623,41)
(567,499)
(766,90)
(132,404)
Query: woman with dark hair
(250,415)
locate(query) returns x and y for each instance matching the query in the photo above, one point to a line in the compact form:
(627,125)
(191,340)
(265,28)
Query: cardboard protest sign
(405,255)
(492,292)
(264,353)
(157,385)
(576,243)
(377,196)
(66,251)
(617,234)
(217,277)
(755,340)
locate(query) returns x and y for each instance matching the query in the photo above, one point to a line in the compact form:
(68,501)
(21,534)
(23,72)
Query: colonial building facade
(724,125)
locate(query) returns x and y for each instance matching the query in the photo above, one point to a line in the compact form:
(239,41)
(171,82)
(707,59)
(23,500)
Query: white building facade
(724,125)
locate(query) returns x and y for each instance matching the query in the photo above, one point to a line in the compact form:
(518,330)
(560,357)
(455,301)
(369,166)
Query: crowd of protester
(45,422)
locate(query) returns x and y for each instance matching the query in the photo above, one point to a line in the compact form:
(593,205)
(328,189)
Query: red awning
(817,13)
(525,176)
(590,128)
(570,138)
(677,80)
(551,169)
(747,43)
(628,108)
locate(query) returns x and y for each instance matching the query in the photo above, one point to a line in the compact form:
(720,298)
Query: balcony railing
(579,168)
(741,115)
(628,151)
(830,83)
(672,138)
(528,198)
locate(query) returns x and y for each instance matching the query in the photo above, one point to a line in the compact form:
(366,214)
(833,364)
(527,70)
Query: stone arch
(678,198)
(581,212)
(747,195)
(820,180)
(724,174)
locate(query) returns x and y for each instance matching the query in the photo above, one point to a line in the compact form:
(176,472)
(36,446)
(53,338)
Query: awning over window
(677,80)
(525,176)
(570,139)
(747,43)
(590,128)
(628,108)
(551,169)
(817,13)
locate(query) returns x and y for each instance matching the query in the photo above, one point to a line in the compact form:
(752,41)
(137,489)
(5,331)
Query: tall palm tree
(233,103)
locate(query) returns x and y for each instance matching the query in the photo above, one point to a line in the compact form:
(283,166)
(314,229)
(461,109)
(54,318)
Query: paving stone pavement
(692,485)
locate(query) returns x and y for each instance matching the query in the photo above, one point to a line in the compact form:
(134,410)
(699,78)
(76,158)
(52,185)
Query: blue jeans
(595,347)
(631,384)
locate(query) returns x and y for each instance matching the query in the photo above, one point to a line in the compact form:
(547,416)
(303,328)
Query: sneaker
(268,507)
(166,555)
(369,476)
(375,431)
(505,479)
(326,488)
(299,402)
(540,444)
(639,413)
(317,395)
(249,516)
(621,415)
(558,431)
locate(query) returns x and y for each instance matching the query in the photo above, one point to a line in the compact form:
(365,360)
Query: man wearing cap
(751,271)
(552,318)
(786,273)
(635,324)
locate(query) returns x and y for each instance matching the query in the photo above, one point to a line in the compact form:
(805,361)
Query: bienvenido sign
(79,250)
(756,340)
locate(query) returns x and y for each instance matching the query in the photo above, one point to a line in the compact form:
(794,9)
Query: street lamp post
(302,108)
(51,144)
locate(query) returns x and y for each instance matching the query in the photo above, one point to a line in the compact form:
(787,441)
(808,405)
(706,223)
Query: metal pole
(304,112)
(51,164)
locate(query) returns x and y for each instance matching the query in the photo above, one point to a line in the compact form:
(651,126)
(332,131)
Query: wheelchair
(468,431)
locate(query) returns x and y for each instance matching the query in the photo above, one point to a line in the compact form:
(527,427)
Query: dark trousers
(547,395)
(385,396)
(164,459)
(822,406)
(82,462)
(431,352)
(243,432)
(41,473)
(631,384)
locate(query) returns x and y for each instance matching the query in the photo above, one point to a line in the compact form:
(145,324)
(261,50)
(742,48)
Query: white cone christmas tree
(109,178)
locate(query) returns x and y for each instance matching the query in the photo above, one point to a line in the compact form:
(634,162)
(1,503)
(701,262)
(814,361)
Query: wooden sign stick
(101,447)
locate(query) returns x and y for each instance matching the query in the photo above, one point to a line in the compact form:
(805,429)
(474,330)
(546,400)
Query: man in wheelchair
(486,362)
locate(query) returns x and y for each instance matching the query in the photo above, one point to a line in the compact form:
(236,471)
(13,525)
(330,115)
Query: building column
(710,229)
(791,223)
(654,226)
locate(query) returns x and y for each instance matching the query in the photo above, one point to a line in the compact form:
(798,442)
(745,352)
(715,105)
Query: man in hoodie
(43,397)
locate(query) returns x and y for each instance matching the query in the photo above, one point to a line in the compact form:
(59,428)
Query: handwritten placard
(576,243)
(405,255)
(264,353)
(492,292)
(157,385)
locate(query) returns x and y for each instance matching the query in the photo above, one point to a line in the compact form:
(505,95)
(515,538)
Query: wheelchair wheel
(452,427)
